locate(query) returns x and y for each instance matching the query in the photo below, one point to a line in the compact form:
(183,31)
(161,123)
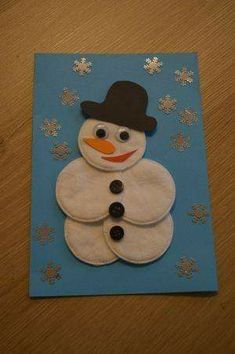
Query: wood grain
(119,324)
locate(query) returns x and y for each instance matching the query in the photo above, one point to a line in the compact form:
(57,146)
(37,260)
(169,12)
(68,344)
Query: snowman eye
(123,134)
(101,131)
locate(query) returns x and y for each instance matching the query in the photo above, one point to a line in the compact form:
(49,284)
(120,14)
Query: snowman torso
(85,193)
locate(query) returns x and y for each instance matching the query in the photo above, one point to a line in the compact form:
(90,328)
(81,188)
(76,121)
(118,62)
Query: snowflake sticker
(167,104)
(180,142)
(50,127)
(51,273)
(61,151)
(188,117)
(153,65)
(199,213)
(186,267)
(44,234)
(68,97)
(82,66)
(183,76)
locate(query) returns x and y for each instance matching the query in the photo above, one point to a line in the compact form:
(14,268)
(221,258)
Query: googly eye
(123,134)
(101,131)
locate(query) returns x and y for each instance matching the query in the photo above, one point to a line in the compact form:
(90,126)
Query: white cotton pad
(86,241)
(137,143)
(149,192)
(140,244)
(82,191)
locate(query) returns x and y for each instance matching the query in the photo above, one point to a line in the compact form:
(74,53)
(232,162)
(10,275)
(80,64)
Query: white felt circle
(140,244)
(86,241)
(136,142)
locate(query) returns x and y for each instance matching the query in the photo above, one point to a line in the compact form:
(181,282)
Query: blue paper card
(61,83)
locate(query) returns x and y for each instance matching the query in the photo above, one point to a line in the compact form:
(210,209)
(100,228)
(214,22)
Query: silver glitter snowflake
(180,142)
(68,97)
(61,151)
(50,127)
(183,76)
(51,273)
(44,234)
(153,65)
(188,117)
(82,66)
(186,267)
(167,104)
(199,213)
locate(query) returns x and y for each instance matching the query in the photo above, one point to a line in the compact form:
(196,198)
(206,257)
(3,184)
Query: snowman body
(117,203)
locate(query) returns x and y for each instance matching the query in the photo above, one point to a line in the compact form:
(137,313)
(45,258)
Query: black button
(116,233)
(116,210)
(116,186)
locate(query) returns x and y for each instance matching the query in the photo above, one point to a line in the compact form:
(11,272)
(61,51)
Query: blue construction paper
(53,72)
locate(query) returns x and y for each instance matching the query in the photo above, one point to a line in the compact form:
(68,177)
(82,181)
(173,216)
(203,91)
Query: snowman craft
(117,204)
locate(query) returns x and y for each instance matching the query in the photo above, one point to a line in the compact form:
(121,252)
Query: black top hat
(125,104)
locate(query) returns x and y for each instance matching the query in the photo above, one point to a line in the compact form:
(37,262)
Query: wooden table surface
(160,324)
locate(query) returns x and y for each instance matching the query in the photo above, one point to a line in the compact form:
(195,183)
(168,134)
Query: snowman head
(109,146)
(113,137)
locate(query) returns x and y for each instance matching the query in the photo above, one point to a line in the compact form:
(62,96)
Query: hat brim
(91,109)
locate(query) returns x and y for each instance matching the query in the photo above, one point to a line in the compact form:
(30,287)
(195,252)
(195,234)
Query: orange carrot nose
(104,146)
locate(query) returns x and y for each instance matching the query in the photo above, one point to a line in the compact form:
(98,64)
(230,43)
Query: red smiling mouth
(119,158)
